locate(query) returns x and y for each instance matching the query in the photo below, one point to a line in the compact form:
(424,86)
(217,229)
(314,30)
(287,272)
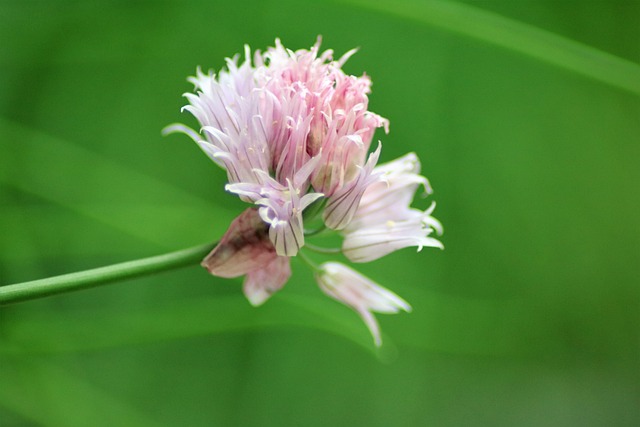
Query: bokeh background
(526,115)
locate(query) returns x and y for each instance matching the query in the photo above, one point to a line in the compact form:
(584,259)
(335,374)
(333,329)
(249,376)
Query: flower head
(291,129)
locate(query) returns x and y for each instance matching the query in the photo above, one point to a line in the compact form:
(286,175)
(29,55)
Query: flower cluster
(293,131)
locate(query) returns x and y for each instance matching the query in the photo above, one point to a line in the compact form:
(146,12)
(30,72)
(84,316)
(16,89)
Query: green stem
(322,250)
(99,276)
(318,230)
(304,257)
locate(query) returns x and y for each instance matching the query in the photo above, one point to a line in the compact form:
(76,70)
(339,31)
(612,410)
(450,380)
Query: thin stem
(318,230)
(314,209)
(304,257)
(322,250)
(99,276)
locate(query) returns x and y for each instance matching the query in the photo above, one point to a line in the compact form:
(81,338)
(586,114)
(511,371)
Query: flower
(361,294)
(292,130)
(384,221)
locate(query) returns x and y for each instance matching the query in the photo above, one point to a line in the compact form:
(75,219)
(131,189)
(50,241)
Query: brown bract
(244,247)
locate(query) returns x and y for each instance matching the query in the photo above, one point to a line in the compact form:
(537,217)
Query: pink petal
(342,205)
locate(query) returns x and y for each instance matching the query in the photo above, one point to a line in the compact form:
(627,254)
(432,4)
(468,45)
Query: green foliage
(526,116)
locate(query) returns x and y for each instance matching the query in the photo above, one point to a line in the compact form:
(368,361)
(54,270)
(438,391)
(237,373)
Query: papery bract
(245,249)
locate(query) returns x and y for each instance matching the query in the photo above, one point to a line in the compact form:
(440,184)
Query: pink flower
(291,129)
(361,294)
(384,221)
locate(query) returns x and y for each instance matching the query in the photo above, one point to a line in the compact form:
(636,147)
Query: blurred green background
(526,115)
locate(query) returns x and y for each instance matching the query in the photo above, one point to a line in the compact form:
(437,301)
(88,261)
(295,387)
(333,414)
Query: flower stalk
(100,276)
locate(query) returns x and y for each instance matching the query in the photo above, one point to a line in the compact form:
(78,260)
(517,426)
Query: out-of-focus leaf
(98,329)
(125,199)
(48,395)
(526,39)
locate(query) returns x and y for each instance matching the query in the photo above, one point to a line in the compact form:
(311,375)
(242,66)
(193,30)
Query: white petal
(360,293)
